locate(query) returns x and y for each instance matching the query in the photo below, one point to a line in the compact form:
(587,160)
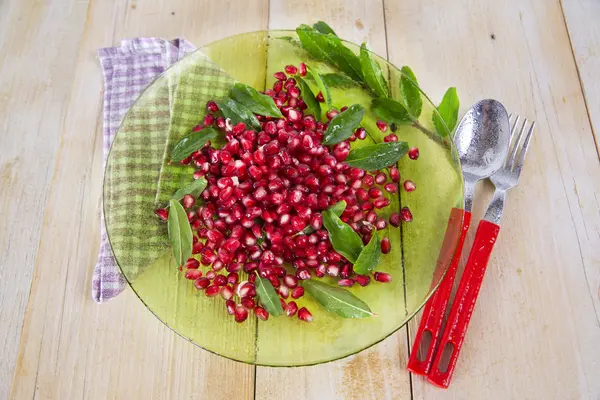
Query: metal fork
(505,178)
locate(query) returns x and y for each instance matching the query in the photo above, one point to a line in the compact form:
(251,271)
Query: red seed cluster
(264,188)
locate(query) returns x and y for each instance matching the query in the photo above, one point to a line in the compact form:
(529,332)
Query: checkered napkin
(139,177)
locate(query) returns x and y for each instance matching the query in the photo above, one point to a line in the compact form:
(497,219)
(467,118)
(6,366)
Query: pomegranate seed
(346,282)
(360,133)
(162,213)
(409,186)
(390,138)
(202,283)
(368,180)
(382,277)
(346,271)
(386,246)
(192,263)
(244,288)
(221,124)
(391,187)
(212,291)
(380,178)
(302,69)
(331,114)
(233,278)
(248,303)
(297,292)
(405,214)
(333,270)
(305,315)
(381,202)
(241,314)
(395,219)
(211,275)
(291,69)
(291,309)
(380,224)
(363,280)
(220,280)
(320,97)
(283,291)
(226,292)
(230,305)
(316,221)
(197,247)
(290,281)
(209,119)
(375,193)
(261,313)
(280,76)
(193,274)
(383,127)
(188,201)
(212,106)
(413,153)
(303,274)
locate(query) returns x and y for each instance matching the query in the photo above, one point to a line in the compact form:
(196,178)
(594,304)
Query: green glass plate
(139,179)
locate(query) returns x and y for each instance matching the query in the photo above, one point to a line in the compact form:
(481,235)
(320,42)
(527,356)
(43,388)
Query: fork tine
(510,159)
(521,160)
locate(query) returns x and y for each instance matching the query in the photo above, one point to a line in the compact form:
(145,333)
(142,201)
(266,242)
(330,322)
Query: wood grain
(581,21)
(38,41)
(534,332)
(71,347)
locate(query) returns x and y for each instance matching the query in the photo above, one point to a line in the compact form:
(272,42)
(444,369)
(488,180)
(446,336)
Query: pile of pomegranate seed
(264,188)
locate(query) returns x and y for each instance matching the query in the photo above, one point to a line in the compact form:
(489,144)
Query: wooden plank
(38,41)
(71,347)
(377,373)
(535,332)
(581,18)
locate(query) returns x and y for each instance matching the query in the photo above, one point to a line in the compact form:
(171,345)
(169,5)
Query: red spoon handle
(435,309)
(464,303)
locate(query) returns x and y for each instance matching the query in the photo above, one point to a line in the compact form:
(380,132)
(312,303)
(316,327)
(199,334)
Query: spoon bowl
(482,139)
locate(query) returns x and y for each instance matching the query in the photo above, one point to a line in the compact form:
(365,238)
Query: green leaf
(377,156)
(192,142)
(314,107)
(331,49)
(338,81)
(446,121)
(409,87)
(323,28)
(369,258)
(342,126)
(338,208)
(337,300)
(321,85)
(194,189)
(342,237)
(268,297)
(237,112)
(372,72)
(180,232)
(256,102)
(390,111)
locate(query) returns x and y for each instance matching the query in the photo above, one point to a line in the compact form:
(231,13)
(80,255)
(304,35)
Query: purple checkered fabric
(127,70)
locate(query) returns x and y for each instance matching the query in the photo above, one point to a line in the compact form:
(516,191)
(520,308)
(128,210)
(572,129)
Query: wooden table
(535,333)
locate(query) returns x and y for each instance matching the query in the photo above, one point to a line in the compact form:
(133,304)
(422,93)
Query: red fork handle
(464,303)
(435,309)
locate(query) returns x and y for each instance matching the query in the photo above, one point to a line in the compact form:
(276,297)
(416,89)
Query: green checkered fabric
(138,176)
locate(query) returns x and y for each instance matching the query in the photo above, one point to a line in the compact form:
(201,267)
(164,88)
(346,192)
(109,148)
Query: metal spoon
(482,140)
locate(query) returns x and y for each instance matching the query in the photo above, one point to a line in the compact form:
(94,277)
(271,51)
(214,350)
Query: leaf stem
(436,138)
